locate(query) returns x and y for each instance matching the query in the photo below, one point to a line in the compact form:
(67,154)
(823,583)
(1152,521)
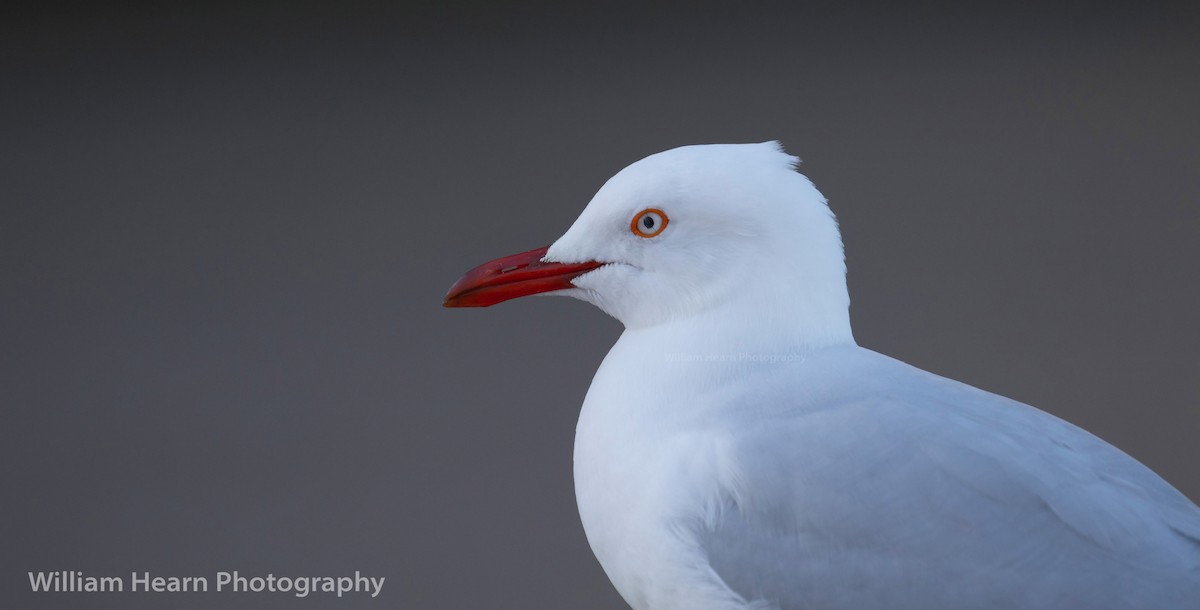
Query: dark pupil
(648,222)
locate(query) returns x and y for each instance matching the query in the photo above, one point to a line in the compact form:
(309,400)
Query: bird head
(686,233)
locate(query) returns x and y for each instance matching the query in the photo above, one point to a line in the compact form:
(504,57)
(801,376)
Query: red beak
(511,277)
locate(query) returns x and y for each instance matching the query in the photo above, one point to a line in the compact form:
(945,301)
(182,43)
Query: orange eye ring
(649,222)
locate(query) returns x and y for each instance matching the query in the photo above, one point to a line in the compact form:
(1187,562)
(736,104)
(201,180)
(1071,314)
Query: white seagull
(737,450)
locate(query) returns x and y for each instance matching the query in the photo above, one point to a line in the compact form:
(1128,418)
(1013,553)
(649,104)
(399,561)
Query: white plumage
(738,450)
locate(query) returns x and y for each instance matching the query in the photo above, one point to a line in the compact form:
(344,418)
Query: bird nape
(775,464)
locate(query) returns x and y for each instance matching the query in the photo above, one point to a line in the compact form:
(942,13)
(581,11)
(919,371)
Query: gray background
(226,234)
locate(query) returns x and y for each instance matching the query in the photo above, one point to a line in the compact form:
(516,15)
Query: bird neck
(751,326)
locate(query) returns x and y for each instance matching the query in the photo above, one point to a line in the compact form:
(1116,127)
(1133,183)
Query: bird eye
(648,223)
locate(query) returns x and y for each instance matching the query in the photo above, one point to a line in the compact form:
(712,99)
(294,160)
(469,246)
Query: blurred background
(226,233)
